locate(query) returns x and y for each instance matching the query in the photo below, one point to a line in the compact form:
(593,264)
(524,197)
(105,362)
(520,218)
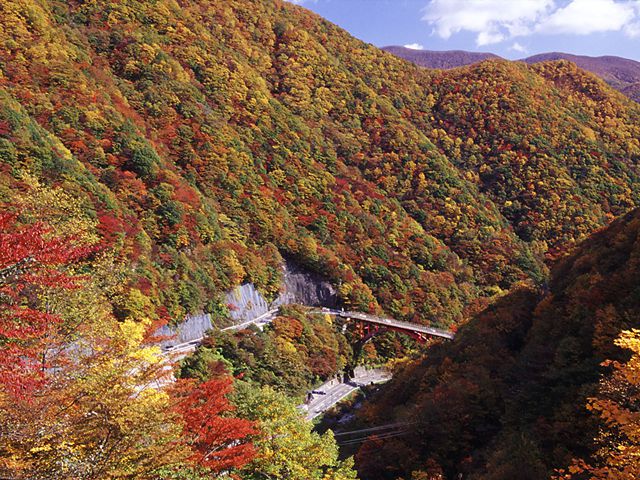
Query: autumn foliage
(210,138)
(191,145)
(616,406)
(80,392)
(292,354)
(220,442)
(30,260)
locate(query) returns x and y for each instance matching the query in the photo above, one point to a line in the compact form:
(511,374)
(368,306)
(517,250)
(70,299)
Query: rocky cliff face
(305,287)
(246,303)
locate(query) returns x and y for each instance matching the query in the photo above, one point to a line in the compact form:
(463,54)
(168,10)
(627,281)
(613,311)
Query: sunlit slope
(214,137)
(553,146)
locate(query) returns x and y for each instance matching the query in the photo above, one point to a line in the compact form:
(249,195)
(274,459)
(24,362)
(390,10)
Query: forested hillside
(207,139)
(155,154)
(509,398)
(551,145)
(623,74)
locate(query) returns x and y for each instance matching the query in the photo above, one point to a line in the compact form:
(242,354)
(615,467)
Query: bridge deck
(185,348)
(389,322)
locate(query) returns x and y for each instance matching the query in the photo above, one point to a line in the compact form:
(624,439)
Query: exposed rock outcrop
(245,303)
(305,287)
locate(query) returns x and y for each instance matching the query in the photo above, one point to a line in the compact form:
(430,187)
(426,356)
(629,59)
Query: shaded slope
(507,398)
(439,59)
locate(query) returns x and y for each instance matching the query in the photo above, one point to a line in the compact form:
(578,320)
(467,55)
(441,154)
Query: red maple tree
(220,442)
(30,259)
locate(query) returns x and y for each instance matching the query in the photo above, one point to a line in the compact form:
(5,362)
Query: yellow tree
(96,411)
(287,446)
(100,413)
(618,407)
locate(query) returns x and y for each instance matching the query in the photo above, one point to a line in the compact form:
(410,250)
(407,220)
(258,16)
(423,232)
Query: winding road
(183,349)
(335,391)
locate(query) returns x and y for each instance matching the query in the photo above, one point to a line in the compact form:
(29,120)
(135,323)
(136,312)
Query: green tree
(287,446)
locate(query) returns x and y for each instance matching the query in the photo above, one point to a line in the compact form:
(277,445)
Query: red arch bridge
(369,325)
(373,324)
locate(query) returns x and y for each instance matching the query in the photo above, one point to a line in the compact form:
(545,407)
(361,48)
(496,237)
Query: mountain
(621,73)
(507,399)
(154,156)
(439,59)
(205,154)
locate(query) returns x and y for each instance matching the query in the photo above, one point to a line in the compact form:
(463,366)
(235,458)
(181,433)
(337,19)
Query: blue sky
(510,28)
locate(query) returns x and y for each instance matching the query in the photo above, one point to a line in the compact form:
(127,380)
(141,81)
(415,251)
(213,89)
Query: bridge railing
(390,322)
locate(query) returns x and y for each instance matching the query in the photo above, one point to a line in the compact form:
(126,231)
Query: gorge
(208,161)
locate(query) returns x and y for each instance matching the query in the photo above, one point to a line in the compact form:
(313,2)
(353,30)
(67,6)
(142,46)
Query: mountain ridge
(621,73)
(210,161)
(442,59)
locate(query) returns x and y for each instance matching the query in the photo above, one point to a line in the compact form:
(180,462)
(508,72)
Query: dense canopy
(155,154)
(209,138)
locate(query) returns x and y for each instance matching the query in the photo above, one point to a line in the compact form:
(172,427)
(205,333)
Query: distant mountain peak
(623,74)
(620,73)
(439,59)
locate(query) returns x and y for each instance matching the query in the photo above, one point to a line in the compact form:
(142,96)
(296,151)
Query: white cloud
(517,47)
(632,30)
(582,17)
(414,46)
(487,38)
(494,21)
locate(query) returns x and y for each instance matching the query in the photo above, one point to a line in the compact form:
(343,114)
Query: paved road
(264,318)
(183,349)
(335,391)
